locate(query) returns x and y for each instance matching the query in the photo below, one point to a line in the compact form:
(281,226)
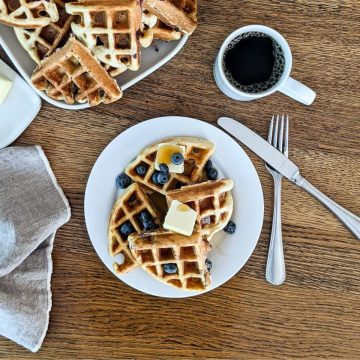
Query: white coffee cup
(286,84)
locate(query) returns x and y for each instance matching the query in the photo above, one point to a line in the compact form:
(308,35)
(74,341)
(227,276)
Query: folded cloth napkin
(32,208)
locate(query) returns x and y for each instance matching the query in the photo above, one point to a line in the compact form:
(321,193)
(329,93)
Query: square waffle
(110,29)
(42,41)
(127,208)
(197,153)
(179,14)
(153,250)
(28,14)
(212,201)
(73,73)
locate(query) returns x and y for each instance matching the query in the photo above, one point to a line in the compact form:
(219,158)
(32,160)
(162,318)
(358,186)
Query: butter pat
(180,218)
(164,154)
(5,86)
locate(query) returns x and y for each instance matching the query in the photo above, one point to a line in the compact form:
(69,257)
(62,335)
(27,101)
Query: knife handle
(350,220)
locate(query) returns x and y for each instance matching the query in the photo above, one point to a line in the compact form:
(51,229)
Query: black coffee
(253,62)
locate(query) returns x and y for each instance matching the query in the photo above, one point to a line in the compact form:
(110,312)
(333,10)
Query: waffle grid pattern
(72,73)
(110,30)
(41,42)
(153,250)
(127,209)
(28,14)
(196,155)
(212,201)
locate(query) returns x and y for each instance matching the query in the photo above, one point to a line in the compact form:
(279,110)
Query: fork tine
(275,142)
(270,134)
(281,134)
(286,137)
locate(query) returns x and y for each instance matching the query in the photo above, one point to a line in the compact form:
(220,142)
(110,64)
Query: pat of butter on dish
(180,218)
(164,154)
(5,87)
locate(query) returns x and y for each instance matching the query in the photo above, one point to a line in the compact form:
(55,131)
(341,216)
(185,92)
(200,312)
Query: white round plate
(230,252)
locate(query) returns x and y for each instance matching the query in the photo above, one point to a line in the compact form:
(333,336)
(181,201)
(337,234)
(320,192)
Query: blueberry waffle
(197,153)
(174,259)
(132,212)
(212,200)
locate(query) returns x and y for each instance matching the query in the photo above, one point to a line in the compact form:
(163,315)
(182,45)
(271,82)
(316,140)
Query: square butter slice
(5,87)
(180,218)
(164,154)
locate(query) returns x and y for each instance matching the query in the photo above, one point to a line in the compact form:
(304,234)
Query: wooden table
(316,313)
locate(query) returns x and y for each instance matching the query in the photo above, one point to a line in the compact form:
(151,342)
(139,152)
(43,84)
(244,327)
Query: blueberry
(155,177)
(144,215)
(177,159)
(163,178)
(170,268)
(206,220)
(208,165)
(141,169)
(164,168)
(212,174)
(230,228)
(148,224)
(126,228)
(123,181)
(208,264)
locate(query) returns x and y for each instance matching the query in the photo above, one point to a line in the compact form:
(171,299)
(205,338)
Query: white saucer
(230,252)
(19,108)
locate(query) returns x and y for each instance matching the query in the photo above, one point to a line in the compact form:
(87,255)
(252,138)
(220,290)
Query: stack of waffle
(155,248)
(108,35)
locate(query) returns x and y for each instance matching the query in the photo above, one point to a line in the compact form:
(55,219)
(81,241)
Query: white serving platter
(151,60)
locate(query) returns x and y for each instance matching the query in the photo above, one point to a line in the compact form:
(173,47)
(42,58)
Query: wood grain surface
(316,313)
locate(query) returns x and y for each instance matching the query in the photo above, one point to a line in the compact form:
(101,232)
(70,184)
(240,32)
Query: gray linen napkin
(32,208)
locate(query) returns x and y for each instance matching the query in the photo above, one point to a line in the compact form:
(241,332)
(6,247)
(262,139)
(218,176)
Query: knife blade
(260,147)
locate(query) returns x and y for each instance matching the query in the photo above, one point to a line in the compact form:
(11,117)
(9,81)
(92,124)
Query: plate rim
(186,294)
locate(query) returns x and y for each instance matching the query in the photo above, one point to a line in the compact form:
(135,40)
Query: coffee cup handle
(298,91)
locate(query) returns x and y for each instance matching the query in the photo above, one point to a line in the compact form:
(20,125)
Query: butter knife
(287,168)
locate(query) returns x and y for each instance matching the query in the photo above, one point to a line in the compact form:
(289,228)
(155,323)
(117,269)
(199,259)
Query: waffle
(154,249)
(113,72)
(196,155)
(73,73)
(127,207)
(42,41)
(212,201)
(28,14)
(179,14)
(153,28)
(110,29)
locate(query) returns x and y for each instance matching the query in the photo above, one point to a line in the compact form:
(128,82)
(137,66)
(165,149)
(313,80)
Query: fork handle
(275,266)
(350,220)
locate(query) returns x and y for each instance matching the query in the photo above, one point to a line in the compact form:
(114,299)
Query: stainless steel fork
(275,267)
